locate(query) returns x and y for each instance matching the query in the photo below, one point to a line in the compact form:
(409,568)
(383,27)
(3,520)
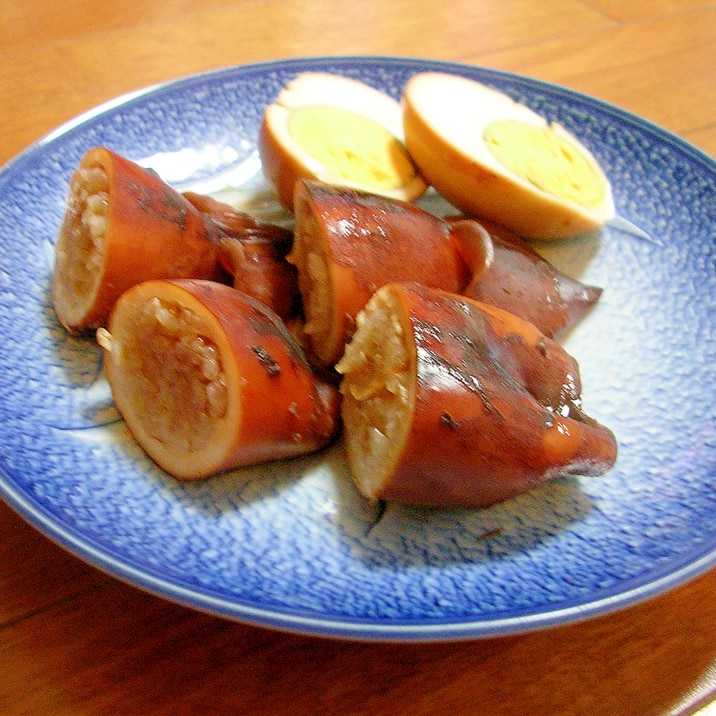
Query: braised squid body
(523,282)
(123,225)
(349,243)
(451,402)
(208,379)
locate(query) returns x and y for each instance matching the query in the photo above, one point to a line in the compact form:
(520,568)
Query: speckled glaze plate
(291,545)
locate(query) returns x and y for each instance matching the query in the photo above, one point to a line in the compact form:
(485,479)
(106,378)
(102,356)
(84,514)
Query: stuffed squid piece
(348,244)
(123,225)
(450,402)
(526,284)
(208,379)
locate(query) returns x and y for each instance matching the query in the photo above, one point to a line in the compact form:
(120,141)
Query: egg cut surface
(495,158)
(340,131)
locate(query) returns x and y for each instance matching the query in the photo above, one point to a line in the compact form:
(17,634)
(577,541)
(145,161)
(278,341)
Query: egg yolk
(546,160)
(351,146)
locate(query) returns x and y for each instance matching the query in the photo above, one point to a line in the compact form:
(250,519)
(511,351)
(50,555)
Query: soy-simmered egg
(340,131)
(495,158)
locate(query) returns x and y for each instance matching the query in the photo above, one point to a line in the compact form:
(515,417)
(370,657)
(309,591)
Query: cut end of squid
(324,328)
(124,225)
(171,375)
(80,250)
(207,379)
(378,389)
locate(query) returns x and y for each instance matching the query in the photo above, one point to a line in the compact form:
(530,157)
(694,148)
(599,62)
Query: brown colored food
(526,284)
(123,225)
(451,402)
(254,253)
(208,379)
(349,243)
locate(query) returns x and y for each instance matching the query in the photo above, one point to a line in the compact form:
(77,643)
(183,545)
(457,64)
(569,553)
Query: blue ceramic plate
(291,545)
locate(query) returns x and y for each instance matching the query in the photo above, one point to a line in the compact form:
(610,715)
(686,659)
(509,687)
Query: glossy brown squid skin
(253,252)
(365,241)
(287,410)
(497,406)
(149,231)
(209,379)
(526,284)
(238,223)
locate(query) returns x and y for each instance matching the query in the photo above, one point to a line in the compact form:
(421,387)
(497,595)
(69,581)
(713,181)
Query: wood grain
(655,81)
(76,641)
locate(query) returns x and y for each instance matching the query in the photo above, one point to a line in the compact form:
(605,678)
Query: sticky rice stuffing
(80,248)
(378,392)
(182,391)
(314,284)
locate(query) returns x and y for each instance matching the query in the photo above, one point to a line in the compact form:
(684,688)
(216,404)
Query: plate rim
(297,622)
(294,621)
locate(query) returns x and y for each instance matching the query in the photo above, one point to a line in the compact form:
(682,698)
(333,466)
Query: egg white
(284,160)
(445,118)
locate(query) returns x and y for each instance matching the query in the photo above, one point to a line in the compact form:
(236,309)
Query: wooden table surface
(75,641)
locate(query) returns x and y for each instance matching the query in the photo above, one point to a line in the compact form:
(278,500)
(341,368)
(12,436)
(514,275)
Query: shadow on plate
(398,536)
(77,394)
(318,485)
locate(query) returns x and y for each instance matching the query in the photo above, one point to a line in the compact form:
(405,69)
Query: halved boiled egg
(340,131)
(495,158)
